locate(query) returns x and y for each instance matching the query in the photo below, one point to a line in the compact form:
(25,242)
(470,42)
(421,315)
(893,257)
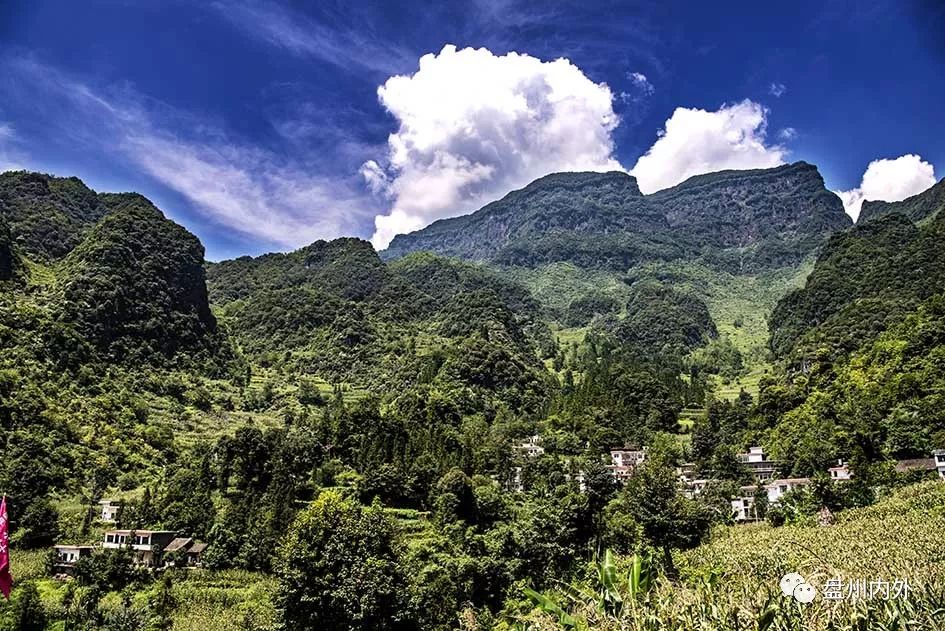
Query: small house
(109,510)
(840,472)
(624,461)
(762,469)
(531,447)
(67,556)
(776,489)
(194,556)
(915,465)
(147,546)
(939,456)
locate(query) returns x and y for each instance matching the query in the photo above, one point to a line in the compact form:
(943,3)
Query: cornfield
(732,582)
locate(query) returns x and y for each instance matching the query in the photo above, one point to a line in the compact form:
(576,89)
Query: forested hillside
(405,440)
(918,207)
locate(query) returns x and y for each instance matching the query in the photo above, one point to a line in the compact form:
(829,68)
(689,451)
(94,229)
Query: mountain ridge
(552,218)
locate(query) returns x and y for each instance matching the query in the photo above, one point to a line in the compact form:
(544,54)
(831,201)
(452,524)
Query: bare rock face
(601,220)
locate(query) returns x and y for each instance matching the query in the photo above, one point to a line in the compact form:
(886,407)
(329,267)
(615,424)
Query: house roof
(789,481)
(72,547)
(197,548)
(178,544)
(915,464)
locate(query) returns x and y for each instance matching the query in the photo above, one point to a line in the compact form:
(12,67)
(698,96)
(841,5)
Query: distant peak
(580,179)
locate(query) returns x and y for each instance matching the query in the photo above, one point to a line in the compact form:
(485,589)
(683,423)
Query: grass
(749,383)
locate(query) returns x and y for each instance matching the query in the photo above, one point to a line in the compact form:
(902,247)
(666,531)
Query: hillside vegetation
(404,441)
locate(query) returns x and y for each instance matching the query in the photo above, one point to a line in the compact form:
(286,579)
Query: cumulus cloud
(473,125)
(695,141)
(889,180)
(777,89)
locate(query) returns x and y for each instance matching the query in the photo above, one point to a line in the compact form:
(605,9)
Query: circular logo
(789,582)
(805,593)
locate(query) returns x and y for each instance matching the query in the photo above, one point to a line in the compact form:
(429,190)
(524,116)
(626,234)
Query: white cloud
(249,190)
(695,141)
(787,134)
(474,125)
(343,45)
(777,89)
(283,200)
(889,180)
(641,83)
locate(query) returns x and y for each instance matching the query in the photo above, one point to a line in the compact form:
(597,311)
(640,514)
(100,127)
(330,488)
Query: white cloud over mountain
(473,125)
(695,141)
(889,180)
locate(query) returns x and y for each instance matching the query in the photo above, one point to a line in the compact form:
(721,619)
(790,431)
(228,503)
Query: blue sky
(264,126)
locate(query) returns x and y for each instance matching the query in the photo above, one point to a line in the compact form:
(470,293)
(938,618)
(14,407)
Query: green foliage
(134,289)
(661,320)
(338,569)
(864,280)
(48,215)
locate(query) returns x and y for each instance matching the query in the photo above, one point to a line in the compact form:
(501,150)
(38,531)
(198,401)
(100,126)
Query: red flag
(6,581)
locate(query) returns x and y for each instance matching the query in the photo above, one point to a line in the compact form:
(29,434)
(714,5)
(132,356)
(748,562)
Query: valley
(422,438)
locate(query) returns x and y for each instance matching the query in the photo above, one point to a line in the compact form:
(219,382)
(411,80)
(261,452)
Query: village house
(757,462)
(840,472)
(915,464)
(624,461)
(67,556)
(743,506)
(109,510)
(939,456)
(694,487)
(184,552)
(147,545)
(531,446)
(687,472)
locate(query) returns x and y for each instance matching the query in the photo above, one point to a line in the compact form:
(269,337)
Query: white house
(743,506)
(531,446)
(109,510)
(762,469)
(695,487)
(840,472)
(147,545)
(777,488)
(939,456)
(624,461)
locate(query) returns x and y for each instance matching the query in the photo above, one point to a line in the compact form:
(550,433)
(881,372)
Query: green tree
(339,569)
(28,613)
(669,520)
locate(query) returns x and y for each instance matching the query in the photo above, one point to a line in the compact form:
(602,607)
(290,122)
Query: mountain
(9,262)
(555,205)
(135,288)
(335,310)
(865,280)
(918,207)
(756,219)
(48,215)
(601,220)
